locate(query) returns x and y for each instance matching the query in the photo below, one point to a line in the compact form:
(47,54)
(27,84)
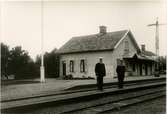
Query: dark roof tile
(95,42)
(148,53)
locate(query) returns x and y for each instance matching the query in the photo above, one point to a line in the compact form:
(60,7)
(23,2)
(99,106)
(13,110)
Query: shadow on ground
(16,82)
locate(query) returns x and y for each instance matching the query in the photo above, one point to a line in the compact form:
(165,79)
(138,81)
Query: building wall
(119,52)
(109,59)
(91,59)
(143,65)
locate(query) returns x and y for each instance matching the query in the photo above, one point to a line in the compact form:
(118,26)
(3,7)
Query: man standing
(100,72)
(121,74)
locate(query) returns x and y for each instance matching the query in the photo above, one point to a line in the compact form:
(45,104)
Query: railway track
(90,87)
(116,102)
(89,101)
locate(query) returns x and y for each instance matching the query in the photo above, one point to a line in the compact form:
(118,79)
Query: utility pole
(156,24)
(42,68)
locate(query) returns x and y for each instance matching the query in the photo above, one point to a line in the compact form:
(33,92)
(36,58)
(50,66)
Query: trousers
(120,80)
(100,82)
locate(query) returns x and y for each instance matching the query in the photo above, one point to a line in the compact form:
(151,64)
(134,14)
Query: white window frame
(71,65)
(82,66)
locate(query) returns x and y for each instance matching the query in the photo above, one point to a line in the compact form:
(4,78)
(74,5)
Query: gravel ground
(156,106)
(51,85)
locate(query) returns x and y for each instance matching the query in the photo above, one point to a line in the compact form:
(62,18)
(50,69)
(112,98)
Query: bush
(89,77)
(68,77)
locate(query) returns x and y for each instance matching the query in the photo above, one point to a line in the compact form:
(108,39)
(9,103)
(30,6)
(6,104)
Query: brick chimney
(102,29)
(143,47)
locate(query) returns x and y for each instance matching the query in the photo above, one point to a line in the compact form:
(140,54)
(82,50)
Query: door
(64,69)
(140,69)
(146,69)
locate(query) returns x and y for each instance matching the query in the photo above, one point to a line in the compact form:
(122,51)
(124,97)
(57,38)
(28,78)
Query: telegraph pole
(156,24)
(42,68)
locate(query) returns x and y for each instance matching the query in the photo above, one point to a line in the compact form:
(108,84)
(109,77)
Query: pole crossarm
(151,25)
(156,24)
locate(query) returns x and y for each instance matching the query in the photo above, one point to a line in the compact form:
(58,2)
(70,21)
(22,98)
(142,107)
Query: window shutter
(73,66)
(86,66)
(81,65)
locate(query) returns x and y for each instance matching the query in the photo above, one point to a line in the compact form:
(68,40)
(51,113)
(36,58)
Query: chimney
(103,29)
(143,47)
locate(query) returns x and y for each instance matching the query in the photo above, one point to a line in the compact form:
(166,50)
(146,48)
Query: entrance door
(146,69)
(64,69)
(151,69)
(140,69)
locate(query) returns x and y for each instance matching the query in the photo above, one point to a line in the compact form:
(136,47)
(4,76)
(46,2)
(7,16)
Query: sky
(62,20)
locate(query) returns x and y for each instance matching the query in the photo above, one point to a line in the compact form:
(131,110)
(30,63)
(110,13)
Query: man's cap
(100,57)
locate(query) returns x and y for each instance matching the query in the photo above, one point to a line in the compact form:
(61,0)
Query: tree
(51,63)
(162,60)
(17,62)
(20,64)
(4,60)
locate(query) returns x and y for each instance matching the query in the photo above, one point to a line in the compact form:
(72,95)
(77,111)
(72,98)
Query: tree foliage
(162,60)
(51,63)
(5,53)
(17,62)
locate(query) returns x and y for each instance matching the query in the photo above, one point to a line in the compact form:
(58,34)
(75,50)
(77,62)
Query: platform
(16,91)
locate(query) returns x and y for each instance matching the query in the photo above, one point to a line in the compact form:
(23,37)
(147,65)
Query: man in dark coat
(121,74)
(100,72)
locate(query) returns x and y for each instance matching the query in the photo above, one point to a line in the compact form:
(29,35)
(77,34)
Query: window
(64,67)
(134,67)
(82,65)
(126,45)
(126,50)
(118,61)
(71,66)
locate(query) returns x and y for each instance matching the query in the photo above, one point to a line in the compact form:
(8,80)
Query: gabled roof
(148,53)
(95,42)
(143,57)
(140,56)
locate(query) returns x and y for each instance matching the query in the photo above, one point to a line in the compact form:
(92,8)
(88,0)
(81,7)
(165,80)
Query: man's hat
(100,57)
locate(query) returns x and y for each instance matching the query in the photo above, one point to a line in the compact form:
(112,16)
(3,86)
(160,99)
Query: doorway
(140,69)
(146,69)
(64,68)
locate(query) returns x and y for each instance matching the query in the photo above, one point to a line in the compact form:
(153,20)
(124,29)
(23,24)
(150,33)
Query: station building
(80,54)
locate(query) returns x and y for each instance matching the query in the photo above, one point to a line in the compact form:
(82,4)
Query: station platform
(23,90)
(145,89)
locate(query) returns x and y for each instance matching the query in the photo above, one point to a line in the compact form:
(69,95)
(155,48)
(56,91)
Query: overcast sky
(21,22)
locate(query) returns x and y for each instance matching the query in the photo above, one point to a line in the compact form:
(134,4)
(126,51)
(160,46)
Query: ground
(26,89)
(156,106)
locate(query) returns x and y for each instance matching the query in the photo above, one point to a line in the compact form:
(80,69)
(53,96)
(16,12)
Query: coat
(120,70)
(100,69)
